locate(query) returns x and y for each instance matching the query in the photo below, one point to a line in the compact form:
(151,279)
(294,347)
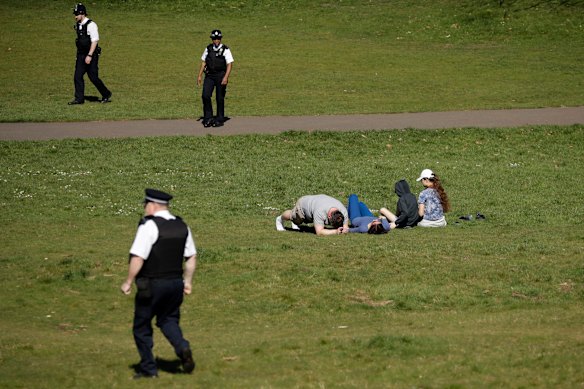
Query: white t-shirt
(316,207)
(147,235)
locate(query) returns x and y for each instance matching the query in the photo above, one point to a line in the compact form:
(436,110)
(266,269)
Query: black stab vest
(167,255)
(83,40)
(215,61)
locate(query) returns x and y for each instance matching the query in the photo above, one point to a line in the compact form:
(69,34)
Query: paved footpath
(277,124)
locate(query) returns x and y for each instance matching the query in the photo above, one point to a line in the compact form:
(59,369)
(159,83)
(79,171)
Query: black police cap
(157,196)
(216,34)
(79,9)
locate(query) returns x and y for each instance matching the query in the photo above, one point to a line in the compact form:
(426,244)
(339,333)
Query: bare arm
(200,75)
(190,266)
(91,51)
(136,264)
(388,214)
(421,209)
(321,231)
(227,73)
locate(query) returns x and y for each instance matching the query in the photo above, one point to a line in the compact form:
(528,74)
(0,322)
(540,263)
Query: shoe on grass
(107,99)
(142,374)
(188,363)
(279,225)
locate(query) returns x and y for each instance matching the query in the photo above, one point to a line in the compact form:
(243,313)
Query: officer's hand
(126,288)
(224,81)
(199,81)
(188,288)
(88,60)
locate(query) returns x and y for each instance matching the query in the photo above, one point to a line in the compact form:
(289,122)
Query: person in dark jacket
(407,207)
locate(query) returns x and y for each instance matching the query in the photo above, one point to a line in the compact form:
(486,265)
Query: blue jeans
(357,208)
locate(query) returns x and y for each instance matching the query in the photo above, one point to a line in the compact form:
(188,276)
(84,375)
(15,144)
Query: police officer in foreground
(217,62)
(88,52)
(162,243)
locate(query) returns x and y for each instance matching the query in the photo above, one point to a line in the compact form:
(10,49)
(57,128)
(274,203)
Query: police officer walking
(162,243)
(217,62)
(88,52)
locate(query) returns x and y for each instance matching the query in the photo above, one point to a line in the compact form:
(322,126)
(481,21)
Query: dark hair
(441,193)
(376,228)
(337,219)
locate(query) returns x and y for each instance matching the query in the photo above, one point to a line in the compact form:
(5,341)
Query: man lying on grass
(322,210)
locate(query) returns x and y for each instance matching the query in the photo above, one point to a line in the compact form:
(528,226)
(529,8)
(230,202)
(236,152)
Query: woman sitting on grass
(433,201)
(362,220)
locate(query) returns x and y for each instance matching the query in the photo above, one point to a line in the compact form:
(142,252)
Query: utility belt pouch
(144,290)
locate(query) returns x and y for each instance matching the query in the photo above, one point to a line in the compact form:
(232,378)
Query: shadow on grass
(309,229)
(169,366)
(93,99)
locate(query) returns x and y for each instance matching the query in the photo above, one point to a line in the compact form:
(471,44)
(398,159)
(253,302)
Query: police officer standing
(88,52)
(217,61)
(162,243)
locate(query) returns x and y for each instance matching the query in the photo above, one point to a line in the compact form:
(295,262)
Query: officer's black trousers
(213,81)
(92,71)
(165,302)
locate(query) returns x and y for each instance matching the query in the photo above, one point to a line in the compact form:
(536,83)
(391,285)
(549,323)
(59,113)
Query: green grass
(495,303)
(297,57)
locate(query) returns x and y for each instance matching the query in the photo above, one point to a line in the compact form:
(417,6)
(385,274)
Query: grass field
(493,303)
(297,57)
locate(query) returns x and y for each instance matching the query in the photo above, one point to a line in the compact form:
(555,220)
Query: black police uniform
(215,69)
(83,43)
(160,289)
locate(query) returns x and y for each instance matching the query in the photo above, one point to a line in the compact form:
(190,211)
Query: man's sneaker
(207,123)
(218,124)
(75,102)
(279,225)
(295,227)
(188,363)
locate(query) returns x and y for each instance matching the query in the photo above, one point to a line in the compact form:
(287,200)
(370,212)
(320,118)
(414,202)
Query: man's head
(336,219)
(155,200)
(216,36)
(80,12)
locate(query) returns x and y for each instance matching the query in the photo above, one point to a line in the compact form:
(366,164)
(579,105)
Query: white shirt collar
(165,214)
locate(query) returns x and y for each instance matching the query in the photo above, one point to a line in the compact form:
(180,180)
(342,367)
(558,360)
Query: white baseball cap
(426,173)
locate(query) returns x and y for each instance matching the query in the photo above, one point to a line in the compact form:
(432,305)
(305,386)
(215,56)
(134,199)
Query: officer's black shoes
(107,99)
(208,123)
(141,374)
(188,363)
(75,102)
(218,124)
